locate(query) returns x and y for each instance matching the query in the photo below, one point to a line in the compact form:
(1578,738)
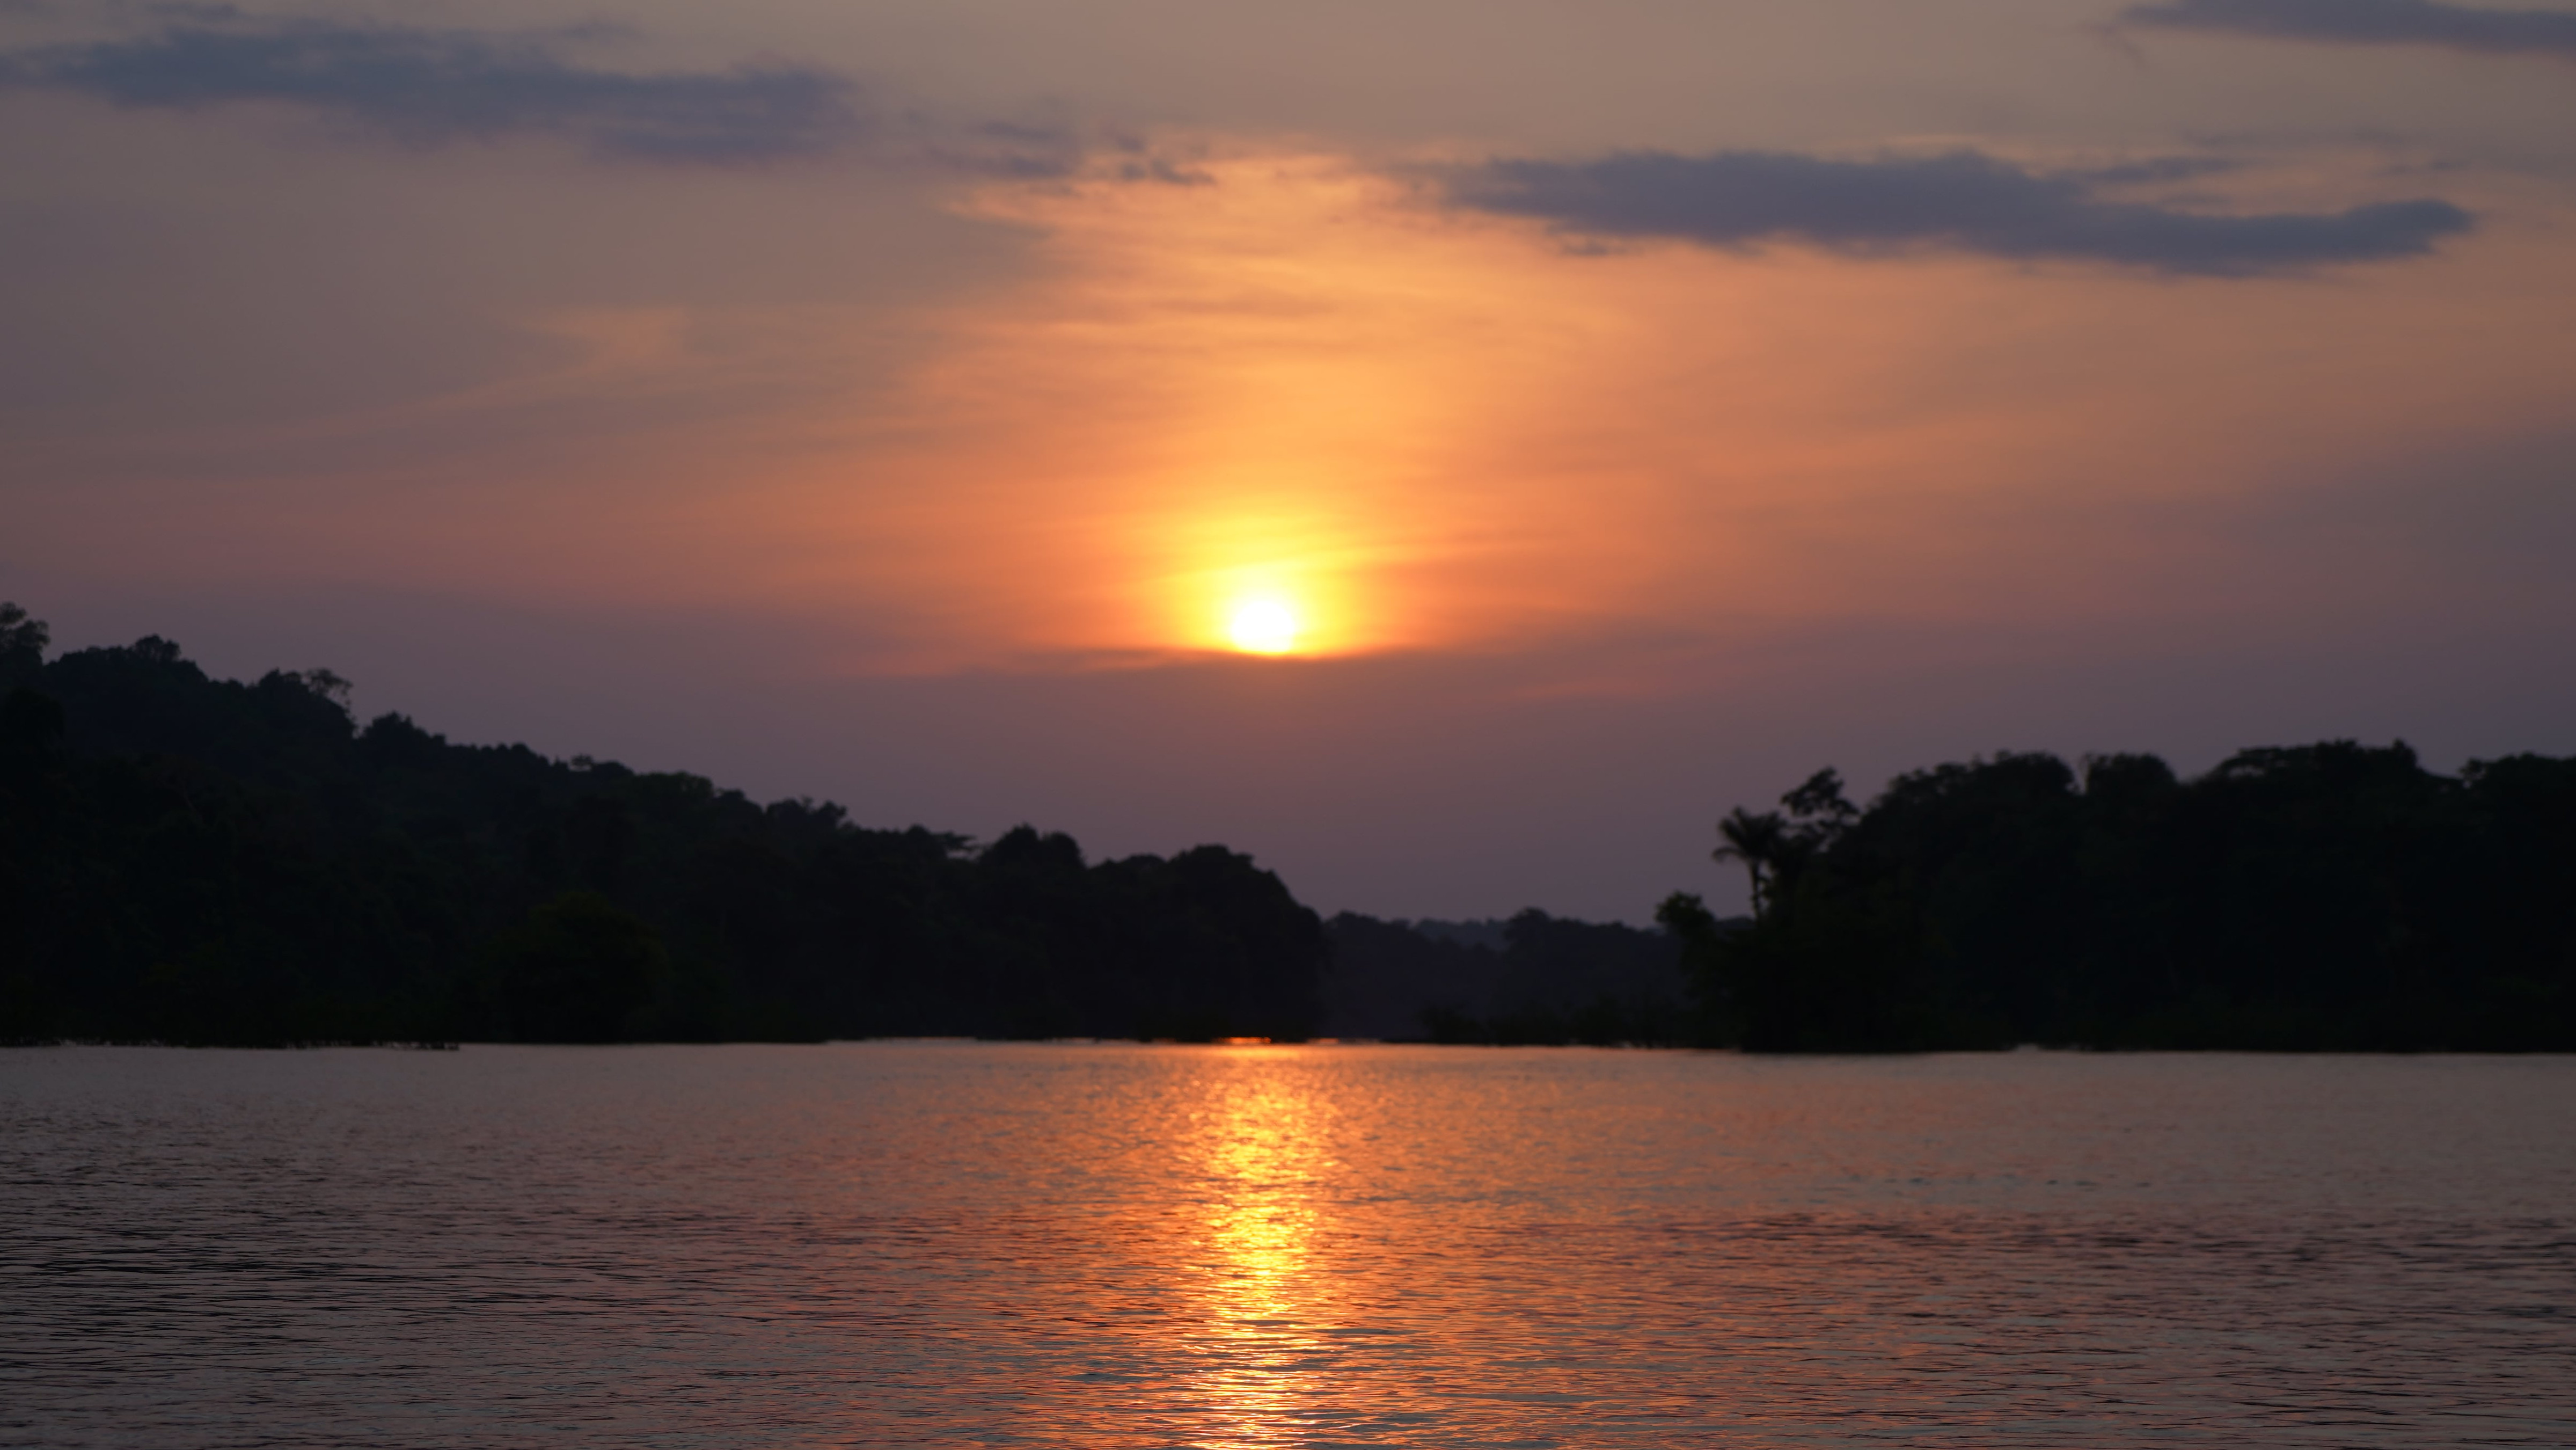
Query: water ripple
(1111,1246)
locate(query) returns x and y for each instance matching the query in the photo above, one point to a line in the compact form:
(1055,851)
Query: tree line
(191,860)
(2330,896)
(1531,980)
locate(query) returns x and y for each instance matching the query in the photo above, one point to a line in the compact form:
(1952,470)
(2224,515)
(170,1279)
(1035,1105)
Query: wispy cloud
(1962,201)
(2371,22)
(437,87)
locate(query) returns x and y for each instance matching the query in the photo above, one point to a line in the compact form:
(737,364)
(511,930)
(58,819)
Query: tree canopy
(184,859)
(2334,895)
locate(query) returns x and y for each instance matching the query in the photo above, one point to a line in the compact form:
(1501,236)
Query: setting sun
(1263,627)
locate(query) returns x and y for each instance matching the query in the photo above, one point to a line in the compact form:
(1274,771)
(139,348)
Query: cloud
(430,87)
(2371,22)
(1962,201)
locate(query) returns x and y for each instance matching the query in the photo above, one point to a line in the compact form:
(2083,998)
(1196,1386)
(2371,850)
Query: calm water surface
(1115,1246)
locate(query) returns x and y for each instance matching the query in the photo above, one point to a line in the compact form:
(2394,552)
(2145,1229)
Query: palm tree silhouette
(1758,841)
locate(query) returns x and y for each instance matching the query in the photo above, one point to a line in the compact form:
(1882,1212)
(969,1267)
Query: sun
(1263,627)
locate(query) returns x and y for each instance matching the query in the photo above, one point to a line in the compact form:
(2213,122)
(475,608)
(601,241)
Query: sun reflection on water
(1260,1150)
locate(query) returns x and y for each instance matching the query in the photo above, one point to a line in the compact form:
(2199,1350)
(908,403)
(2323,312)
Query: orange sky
(1294,380)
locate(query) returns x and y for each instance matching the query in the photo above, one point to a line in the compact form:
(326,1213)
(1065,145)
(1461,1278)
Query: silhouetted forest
(1533,979)
(2331,896)
(192,860)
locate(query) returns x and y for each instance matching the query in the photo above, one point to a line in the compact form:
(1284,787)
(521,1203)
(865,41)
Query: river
(1116,1245)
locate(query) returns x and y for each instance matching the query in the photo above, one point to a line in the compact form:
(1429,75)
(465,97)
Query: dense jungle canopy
(192,860)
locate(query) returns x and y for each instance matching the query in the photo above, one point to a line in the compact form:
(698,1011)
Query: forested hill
(192,860)
(2331,896)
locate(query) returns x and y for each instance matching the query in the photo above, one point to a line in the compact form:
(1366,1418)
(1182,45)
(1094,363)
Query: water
(1120,1246)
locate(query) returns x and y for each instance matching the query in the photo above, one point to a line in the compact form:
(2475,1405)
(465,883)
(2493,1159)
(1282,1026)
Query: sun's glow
(1279,394)
(1424,432)
(1265,626)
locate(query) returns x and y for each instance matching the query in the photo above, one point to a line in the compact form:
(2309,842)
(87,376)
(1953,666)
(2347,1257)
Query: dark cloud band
(1960,202)
(433,87)
(2371,22)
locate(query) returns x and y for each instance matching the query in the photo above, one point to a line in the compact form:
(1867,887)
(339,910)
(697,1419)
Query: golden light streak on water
(1261,1153)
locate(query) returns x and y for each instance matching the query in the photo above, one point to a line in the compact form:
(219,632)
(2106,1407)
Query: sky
(1452,450)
